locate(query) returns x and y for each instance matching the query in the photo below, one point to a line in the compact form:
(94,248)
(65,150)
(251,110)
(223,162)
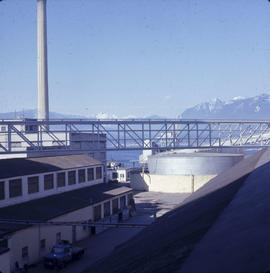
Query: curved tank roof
(192,163)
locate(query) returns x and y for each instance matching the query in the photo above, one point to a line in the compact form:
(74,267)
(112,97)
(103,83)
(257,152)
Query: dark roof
(223,227)
(27,166)
(56,205)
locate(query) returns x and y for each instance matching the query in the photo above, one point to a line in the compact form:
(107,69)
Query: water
(250,151)
(125,157)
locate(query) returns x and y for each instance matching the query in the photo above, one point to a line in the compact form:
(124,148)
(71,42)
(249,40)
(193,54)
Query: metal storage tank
(201,163)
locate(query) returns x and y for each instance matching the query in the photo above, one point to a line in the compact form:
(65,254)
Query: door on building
(122,202)
(107,209)
(97,213)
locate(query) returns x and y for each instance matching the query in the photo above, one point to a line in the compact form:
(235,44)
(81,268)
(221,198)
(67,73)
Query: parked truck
(61,254)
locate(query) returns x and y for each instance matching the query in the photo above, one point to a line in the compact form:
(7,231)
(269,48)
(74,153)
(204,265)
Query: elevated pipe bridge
(17,136)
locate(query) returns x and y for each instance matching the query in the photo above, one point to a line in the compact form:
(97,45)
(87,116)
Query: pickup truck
(61,254)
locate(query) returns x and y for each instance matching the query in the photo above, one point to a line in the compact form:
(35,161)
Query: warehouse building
(25,179)
(57,189)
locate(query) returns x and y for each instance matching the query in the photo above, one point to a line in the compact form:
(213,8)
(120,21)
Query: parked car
(61,254)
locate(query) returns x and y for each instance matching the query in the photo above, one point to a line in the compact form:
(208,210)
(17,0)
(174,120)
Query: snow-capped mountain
(32,113)
(257,107)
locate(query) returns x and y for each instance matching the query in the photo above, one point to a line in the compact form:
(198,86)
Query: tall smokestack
(43,96)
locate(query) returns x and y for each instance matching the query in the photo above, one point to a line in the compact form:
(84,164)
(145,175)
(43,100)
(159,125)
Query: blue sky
(135,57)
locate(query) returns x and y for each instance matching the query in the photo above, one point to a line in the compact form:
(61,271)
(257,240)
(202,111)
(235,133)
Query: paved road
(147,203)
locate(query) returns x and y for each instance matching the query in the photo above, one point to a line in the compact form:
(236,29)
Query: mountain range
(257,107)
(32,113)
(251,108)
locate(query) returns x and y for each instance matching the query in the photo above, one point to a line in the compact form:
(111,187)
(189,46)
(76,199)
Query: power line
(71,223)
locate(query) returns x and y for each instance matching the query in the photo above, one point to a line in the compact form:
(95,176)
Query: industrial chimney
(43,96)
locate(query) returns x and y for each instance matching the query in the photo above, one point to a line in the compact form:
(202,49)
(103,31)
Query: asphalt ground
(148,206)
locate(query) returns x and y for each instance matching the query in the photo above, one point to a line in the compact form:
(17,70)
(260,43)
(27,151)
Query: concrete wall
(90,141)
(5,262)
(200,180)
(168,183)
(138,181)
(24,238)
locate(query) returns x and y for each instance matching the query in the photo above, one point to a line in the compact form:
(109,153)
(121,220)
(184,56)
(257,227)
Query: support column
(74,235)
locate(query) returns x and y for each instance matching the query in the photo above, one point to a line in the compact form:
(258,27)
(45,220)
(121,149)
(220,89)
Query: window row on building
(49,181)
(111,207)
(100,211)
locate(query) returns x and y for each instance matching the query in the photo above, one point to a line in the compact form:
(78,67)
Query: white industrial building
(118,174)
(123,174)
(60,189)
(23,138)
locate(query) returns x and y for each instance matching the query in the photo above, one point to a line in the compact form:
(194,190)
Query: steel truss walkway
(131,134)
